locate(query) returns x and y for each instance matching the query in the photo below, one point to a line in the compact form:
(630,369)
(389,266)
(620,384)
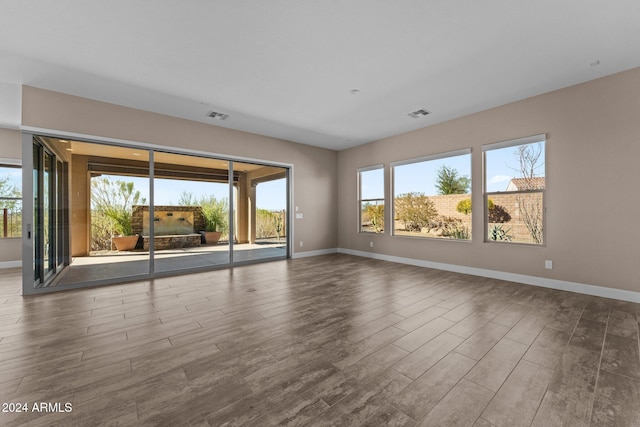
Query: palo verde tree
(448,181)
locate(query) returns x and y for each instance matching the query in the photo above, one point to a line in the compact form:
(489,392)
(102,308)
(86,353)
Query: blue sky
(502,165)
(421,177)
(270,195)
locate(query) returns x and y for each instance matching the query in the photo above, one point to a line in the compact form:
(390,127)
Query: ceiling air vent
(217,116)
(419,113)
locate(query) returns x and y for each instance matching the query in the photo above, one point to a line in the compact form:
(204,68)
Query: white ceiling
(286,68)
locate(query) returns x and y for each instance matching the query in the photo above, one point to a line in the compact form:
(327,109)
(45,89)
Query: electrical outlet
(548,264)
(301,244)
(371,244)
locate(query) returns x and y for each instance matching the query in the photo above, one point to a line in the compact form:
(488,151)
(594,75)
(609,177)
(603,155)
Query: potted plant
(114,200)
(124,240)
(215,215)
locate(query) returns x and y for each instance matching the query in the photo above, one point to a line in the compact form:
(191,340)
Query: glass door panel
(47,209)
(191,229)
(37,219)
(260,198)
(106,239)
(48,195)
(61,223)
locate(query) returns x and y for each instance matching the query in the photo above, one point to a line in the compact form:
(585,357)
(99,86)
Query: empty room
(300,213)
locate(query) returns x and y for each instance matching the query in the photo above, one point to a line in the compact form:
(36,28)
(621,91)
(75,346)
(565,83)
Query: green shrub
(464,206)
(114,200)
(415,210)
(376,216)
(215,213)
(497,213)
(269,223)
(446,226)
(460,232)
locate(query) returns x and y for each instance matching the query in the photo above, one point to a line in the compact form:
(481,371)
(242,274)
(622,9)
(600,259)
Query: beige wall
(10,148)
(593,147)
(10,144)
(314,173)
(593,215)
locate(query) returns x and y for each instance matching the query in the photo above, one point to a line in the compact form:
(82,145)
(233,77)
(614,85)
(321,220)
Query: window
(514,190)
(10,200)
(432,196)
(371,199)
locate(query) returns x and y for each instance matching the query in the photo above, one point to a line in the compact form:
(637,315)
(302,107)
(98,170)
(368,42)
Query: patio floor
(126,264)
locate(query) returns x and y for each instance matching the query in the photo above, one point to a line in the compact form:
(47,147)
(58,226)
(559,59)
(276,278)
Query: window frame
(512,143)
(421,159)
(361,200)
(9,163)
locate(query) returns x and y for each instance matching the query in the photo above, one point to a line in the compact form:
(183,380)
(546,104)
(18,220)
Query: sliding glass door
(191,210)
(48,225)
(260,203)
(105,213)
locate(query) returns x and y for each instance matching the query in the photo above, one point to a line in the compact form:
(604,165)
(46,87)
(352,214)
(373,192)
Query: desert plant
(376,216)
(269,223)
(531,214)
(530,158)
(499,214)
(464,206)
(415,210)
(187,199)
(114,200)
(278,224)
(101,231)
(460,232)
(215,213)
(264,223)
(121,218)
(446,226)
(497,233)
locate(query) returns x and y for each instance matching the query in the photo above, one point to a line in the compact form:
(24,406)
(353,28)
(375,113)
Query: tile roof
(520,184)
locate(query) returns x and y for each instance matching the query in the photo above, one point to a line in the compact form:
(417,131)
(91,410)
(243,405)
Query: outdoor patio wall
(314,174)
(10,148)
(592,175)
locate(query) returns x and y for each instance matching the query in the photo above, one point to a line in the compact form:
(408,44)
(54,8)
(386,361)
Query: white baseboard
(10,264)
(581,288)
(314,253)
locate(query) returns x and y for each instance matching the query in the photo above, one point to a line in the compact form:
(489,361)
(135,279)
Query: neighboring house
(523,184)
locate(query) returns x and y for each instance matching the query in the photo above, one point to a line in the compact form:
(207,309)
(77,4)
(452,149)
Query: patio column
(252,213)
(244,207)
(80,199)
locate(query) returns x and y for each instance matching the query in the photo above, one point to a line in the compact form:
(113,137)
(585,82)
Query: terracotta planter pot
(125,243)
(211,237)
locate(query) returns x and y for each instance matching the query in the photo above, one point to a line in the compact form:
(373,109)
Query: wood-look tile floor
(324,341)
